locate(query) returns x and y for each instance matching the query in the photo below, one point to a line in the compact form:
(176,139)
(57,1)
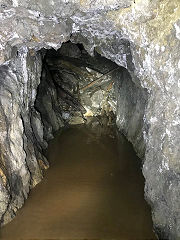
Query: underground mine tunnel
(94,188)
(50,101)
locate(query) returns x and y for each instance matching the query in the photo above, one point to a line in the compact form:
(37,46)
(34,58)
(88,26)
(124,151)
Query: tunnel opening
(97,101)
(89,103)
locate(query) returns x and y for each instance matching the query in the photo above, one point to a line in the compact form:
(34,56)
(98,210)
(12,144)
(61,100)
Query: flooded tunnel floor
(93,190)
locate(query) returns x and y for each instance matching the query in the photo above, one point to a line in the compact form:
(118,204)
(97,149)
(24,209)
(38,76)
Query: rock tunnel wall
(131,104)
(21,160)
(142,36)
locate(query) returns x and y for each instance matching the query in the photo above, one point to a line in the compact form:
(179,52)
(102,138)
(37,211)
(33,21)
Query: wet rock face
(143,37)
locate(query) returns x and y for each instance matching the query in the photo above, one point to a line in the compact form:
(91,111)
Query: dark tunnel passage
(76,88)
(94,188)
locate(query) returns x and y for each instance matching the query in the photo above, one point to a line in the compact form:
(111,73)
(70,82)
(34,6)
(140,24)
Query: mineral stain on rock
(93,190)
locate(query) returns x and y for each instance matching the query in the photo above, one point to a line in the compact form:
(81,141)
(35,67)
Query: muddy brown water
(93,190)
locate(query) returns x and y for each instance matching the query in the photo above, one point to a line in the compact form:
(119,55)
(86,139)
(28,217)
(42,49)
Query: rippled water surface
(93,190)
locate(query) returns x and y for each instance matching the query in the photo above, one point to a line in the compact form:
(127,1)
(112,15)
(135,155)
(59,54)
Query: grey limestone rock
(141,36)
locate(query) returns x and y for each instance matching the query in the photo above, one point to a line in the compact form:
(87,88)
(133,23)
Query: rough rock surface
(21,162)
(142,36)
(131,104)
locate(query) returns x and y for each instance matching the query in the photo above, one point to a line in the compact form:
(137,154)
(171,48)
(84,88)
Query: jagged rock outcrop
(142,36)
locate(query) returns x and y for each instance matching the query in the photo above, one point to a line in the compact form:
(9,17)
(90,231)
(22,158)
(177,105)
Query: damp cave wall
(142,37)
(30,106)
